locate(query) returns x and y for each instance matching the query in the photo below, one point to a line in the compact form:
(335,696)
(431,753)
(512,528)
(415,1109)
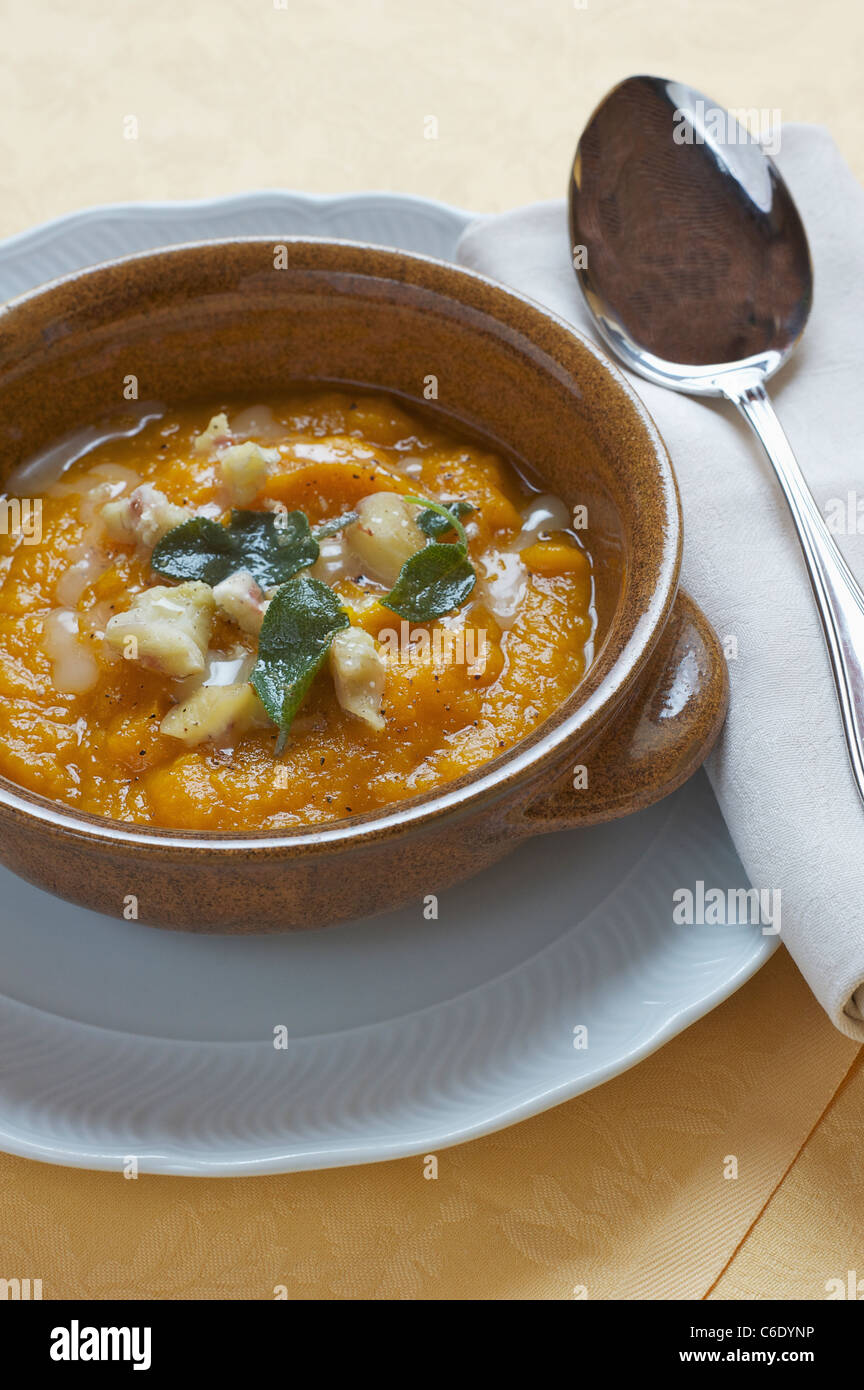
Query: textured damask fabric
(626,1192)
(809,1238)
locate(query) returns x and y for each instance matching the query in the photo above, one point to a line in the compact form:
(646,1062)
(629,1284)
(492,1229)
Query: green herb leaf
(433,582)
(330,528)
(273,546)
(197,549)
(435,521)
(439,578)
(295,637)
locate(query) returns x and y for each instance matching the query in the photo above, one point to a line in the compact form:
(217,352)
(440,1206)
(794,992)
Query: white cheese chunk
(218,432)
(215,714)
(358,672)
(240,599)
(244,468)
(166,628)
(144,516)
(385,536)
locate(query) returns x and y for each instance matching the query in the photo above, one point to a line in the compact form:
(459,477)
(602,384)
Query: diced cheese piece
(241,599)
(244,468)
(167,628)
(215,714)
(144,516)
(217,432)
(385,536)
(358,672)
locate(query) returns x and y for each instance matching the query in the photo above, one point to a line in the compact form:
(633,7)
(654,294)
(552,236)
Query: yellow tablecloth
(623,1192)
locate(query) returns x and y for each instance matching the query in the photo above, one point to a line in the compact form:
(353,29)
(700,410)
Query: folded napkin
(780,770)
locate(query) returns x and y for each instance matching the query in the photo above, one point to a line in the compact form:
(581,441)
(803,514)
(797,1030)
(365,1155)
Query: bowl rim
(490,781)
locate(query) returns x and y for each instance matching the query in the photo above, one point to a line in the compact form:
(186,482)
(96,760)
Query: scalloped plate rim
(379,1150)
(230,202)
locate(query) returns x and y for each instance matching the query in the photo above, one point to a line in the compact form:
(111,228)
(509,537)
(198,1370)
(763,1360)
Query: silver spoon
(697,271)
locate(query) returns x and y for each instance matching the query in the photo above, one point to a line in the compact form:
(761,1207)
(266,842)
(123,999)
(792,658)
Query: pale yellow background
(330,95)
(621,1193)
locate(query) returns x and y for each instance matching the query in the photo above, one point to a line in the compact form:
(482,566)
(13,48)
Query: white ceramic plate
(403,1035)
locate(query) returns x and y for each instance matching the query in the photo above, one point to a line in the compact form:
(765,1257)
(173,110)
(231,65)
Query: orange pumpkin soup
(270,616)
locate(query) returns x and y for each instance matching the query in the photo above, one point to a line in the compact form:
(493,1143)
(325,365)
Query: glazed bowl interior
(216,321)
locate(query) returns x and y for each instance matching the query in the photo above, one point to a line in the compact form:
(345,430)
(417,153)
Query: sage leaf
(439,578)
(434,581)
(197,549)
(273,546)
(435,522)
(298,627)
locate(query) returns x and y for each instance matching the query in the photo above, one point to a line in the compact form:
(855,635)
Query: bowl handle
(665,732)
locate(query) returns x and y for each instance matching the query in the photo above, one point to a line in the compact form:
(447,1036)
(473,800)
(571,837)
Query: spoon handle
(838,595)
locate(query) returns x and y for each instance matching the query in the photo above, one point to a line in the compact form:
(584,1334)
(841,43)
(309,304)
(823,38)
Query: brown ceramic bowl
(218,319)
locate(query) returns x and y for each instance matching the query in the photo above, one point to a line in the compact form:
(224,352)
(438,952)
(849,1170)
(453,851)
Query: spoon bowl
(695,259)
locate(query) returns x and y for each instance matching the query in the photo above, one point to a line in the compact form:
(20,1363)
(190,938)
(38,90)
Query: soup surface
(157,670)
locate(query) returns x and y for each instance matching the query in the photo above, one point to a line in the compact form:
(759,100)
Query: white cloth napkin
(780,770)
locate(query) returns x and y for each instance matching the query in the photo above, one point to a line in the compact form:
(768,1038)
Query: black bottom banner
(83,1338)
